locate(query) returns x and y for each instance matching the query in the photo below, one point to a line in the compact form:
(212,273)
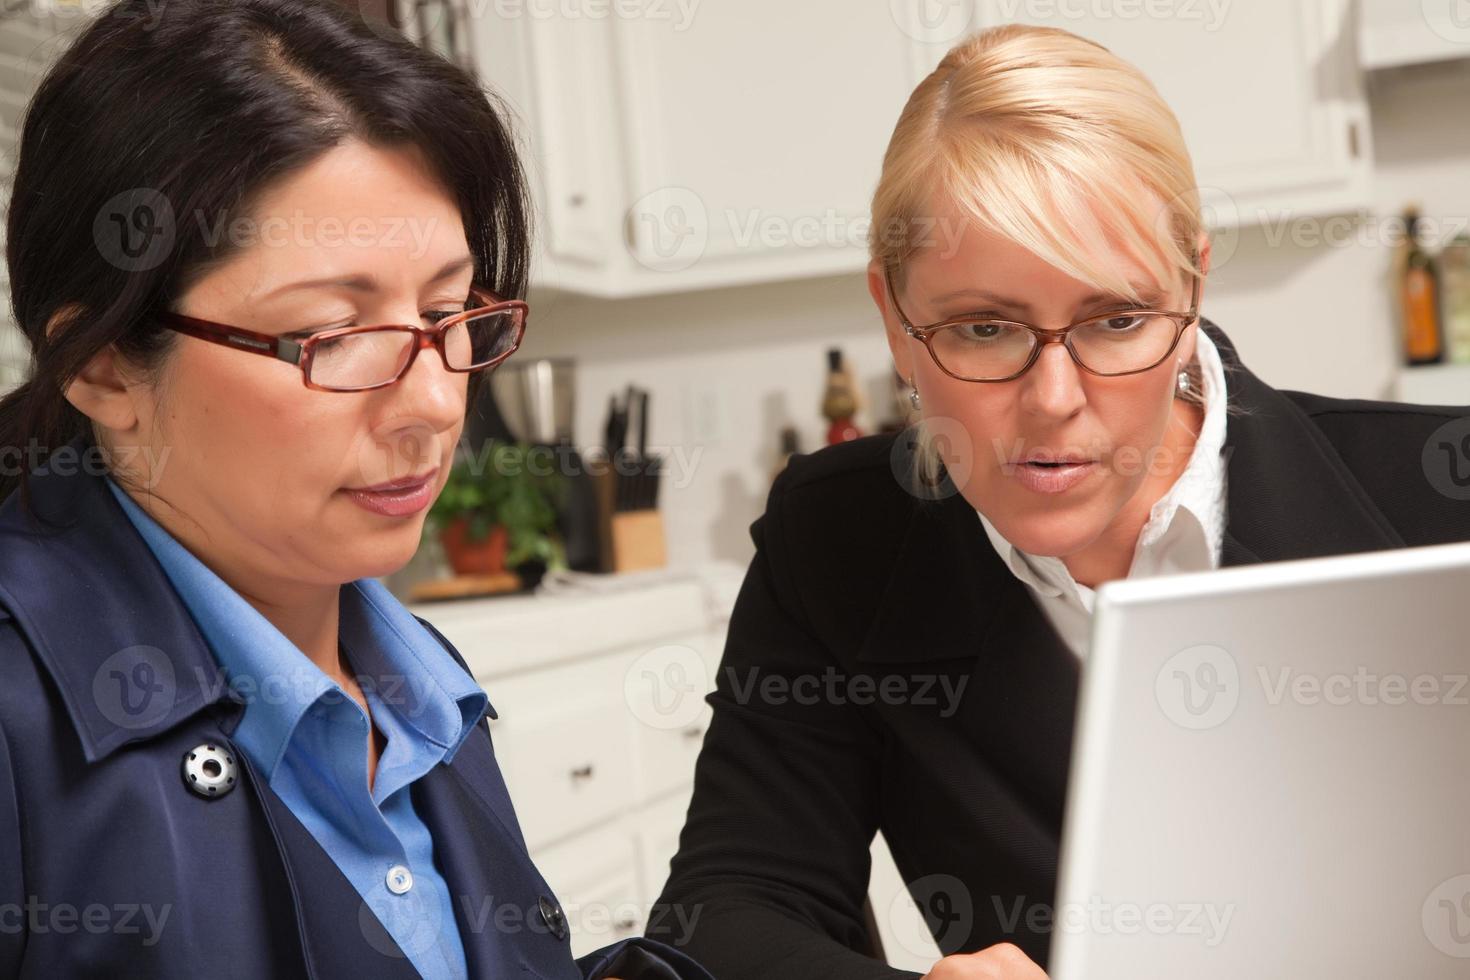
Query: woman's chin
(379,559)
(1052,535)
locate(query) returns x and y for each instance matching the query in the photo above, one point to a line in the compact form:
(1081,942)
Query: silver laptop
(1271,775)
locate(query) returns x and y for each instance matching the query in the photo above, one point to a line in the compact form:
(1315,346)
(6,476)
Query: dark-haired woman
(262,255)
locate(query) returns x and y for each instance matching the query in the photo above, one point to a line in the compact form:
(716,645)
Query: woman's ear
(101,390)
(898,341)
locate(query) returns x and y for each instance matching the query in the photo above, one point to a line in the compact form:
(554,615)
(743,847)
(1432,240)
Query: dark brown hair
(158,113)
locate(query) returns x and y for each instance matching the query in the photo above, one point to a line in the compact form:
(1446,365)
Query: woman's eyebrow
(1148,293)
(367,283)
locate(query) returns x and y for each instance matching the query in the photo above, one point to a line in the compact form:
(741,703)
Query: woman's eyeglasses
(974,348)
(369,357)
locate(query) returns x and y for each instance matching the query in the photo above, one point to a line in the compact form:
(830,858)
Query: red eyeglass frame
(283,347)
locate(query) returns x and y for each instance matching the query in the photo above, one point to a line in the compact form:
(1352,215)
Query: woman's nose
(428,390)
(1053,385)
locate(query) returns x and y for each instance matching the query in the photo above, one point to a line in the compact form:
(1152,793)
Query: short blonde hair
(1050,141)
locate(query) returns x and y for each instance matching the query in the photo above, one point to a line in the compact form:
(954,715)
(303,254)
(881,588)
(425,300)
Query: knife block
(632,540)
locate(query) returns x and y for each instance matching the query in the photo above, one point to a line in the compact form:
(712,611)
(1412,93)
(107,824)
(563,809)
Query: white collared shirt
(1182,534)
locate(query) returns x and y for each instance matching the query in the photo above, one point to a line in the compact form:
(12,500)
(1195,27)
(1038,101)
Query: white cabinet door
(703,143)
(756,135)
(722,142)
(1268,94)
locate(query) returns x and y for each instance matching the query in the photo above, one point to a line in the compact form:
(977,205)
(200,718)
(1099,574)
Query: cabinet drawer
(595,877)
(665,691)
(659,827)
(564,745)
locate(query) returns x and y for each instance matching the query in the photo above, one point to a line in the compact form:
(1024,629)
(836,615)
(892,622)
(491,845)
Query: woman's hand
(1003,961)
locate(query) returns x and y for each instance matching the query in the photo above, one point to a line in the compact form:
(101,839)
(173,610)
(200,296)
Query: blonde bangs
(1049,141)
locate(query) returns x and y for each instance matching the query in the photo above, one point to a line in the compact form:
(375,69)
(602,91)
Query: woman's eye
(1123,322)
(979,330)
(434,316)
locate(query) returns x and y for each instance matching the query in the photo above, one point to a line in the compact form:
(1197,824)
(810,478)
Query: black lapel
(495,888)
(1288,493)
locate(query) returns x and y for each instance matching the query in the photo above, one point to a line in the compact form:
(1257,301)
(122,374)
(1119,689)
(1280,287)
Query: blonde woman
(904,654)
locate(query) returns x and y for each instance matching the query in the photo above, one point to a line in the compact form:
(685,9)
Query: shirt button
(400,879)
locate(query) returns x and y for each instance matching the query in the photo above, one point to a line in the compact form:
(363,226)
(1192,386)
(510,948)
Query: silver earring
(913,394)
(1182,385)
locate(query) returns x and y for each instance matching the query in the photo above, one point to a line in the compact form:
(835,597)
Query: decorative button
(209,770)
(400,879)
(551,914)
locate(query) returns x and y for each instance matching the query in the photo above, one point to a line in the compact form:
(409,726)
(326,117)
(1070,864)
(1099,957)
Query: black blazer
(856,583)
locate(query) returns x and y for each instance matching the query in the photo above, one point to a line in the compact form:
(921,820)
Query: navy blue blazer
(110,866)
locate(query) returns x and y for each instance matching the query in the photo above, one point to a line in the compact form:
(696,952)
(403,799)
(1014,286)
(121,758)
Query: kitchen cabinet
(1269,96)
(738,141)
(739,145)
(601,713)
(1394,33)
(1433,384)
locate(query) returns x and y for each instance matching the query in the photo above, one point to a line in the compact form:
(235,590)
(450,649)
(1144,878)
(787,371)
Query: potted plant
(499,512)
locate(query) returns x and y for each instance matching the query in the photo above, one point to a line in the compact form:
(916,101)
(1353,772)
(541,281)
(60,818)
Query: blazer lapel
(1288,493)
(951,597)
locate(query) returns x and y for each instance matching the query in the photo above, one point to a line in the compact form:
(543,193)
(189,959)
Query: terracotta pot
(466,557)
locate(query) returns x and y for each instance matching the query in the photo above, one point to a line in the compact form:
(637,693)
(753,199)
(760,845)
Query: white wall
(728,368)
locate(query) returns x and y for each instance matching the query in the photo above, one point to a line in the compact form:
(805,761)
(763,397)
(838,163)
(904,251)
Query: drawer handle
(694,733)
(582,772)
(625,925)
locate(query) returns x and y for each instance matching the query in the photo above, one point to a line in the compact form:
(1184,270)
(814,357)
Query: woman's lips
(1042,478)
(398,499)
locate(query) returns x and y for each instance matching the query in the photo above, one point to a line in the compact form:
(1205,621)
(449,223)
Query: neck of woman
(1110,556)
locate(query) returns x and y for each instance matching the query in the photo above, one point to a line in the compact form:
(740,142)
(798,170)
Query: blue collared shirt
(308,738)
